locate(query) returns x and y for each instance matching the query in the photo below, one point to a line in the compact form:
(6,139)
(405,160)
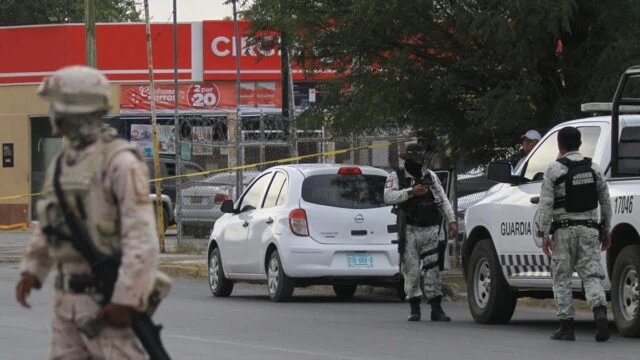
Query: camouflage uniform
(422,242)
(105,181)
(575,247)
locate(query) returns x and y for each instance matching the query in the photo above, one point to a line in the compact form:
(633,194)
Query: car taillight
(298,222)
(349,171)
(219,198)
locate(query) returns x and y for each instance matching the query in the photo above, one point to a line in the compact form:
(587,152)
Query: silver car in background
(201,200)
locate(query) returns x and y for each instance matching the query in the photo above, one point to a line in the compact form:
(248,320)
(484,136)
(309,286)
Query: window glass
(253,197)
(345,191)
(547,152)
(274,190)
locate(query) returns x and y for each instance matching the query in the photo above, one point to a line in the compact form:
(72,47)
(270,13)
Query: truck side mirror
(500,171)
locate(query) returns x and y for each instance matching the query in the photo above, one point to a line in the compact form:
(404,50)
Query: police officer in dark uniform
(420,205)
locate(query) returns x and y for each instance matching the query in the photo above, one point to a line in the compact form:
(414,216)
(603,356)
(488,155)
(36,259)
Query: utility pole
(176,121)
(238,46)
(154,123)
(90,31)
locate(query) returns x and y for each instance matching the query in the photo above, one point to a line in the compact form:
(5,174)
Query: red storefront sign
(201,96)
(206,52)
(28,53)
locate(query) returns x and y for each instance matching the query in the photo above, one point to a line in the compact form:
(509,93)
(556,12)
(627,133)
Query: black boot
(602,323)
(437,314)
(565,332)
(414,315)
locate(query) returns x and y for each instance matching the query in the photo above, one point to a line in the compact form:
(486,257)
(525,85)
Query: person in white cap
(529,141)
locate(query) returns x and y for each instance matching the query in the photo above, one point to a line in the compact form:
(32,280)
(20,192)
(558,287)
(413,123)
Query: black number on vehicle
(623,205)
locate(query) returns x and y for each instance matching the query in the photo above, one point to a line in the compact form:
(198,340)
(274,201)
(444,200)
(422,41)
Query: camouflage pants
(576,248)
(421,252)
(68,342)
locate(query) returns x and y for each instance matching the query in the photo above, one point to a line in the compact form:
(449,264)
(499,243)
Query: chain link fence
(264,140)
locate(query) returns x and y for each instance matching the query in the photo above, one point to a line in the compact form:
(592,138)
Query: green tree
(31,12)
(477,73)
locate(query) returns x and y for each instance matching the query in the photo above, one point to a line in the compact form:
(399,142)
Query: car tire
(219,284)
(165,219)
(490,299)
(625,296)
(279,285)
(345,291)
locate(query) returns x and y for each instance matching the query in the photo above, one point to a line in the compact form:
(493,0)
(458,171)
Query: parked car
(200,201)
(167,169)
(167,214)
(307,224)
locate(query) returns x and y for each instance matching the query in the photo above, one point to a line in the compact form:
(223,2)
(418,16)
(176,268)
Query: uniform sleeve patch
(389,184)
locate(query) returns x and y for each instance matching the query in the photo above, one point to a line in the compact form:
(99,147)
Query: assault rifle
(105,269)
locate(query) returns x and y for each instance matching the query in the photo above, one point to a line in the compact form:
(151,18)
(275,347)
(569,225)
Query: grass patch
(189,271)
(184,247)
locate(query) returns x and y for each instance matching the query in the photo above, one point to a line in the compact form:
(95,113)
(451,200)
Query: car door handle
(269,221)
(535,199)
(245,224)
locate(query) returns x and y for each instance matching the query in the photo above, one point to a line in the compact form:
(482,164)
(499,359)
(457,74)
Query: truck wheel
(625,291)
(491,301)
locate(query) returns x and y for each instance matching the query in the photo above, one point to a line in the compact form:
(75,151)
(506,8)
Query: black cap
(413,152)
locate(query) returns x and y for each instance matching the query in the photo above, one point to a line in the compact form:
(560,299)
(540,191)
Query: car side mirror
(500,171)
(227,207)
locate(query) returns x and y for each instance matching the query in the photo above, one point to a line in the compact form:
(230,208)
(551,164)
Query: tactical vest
(580,184)
(82,184)
(421,211)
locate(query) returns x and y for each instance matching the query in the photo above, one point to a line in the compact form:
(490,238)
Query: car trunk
(347,209)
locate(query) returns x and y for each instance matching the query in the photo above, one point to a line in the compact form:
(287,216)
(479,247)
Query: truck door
(521,254)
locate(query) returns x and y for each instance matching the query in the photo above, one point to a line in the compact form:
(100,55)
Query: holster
(161,288)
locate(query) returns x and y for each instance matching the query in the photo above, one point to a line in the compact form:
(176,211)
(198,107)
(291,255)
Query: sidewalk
(13,242)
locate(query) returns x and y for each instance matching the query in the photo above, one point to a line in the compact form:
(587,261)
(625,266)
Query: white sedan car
(307,224)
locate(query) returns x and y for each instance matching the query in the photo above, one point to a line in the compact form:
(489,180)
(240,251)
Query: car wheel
(165,219)
(490,299)
(625,291)
(345,291)
(220,286)
(280,286)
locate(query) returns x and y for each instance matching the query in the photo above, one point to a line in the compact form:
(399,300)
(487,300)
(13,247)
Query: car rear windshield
(345,191)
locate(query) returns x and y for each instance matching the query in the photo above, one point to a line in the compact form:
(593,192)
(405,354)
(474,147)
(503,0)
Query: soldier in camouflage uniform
(105,182)
(418,192)
(571,216)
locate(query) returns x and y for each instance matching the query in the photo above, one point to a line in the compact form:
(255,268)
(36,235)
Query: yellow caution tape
(247,166)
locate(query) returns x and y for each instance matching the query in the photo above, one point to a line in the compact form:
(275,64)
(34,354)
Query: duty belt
(555,225)
(76,284)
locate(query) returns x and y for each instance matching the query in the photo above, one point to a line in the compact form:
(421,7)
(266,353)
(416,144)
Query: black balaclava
(413,168)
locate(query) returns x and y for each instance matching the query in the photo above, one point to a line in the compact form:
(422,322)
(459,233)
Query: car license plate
(359,260)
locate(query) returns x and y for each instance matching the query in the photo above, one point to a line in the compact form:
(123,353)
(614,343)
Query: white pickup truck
(502,258)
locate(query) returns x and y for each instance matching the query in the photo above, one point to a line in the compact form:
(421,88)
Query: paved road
(316,327)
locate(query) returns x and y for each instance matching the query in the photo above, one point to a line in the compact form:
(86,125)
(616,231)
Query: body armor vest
(581,190)
(421,211)
(82,185)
